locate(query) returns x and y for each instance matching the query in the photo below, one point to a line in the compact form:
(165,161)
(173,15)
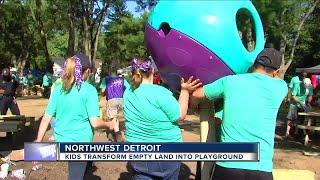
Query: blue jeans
(76,170)
(155,170)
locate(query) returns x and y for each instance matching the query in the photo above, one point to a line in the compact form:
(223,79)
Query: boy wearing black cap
(299,97)
(8,87)
(251,104)
(113,86)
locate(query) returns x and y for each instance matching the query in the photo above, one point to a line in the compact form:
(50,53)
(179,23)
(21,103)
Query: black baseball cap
(114,64)
(270,57)
(84,60)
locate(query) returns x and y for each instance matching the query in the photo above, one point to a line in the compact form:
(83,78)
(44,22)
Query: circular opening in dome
(165,27)
(246,29)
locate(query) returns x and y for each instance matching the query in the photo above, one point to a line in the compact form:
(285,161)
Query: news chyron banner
(141,152)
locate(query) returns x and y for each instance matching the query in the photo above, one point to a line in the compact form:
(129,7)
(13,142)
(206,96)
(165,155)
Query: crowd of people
(249,108)
(151,112)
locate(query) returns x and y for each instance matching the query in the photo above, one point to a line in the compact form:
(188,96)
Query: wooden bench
(310,117)
(11,123)
(15,124)
(314,128)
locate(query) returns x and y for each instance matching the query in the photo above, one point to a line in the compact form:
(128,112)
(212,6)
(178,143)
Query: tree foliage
(125,39)
(284,22)
(16,35)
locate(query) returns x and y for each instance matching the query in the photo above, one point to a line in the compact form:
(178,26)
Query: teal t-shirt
(151,113)
(72,111)
(25,81)
(56,83)
(251,104)
(46,80)
(294,81)
(299,90)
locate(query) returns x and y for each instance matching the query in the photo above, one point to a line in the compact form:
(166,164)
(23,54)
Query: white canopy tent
(312,70)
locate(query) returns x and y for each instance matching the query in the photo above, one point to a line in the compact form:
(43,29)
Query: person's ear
(87,72)
(275,74)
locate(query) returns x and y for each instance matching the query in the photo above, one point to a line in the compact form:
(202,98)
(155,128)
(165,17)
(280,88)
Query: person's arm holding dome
(186,88)
(177,110)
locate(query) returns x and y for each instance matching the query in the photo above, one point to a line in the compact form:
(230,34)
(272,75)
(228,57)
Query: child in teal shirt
(74,104)
(151,115)
(46,83)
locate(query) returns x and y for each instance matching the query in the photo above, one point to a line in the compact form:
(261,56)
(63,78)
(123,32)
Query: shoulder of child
(282,85)
(161,89)
(88,87)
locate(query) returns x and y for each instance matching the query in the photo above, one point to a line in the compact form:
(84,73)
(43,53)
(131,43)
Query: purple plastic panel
(177,55)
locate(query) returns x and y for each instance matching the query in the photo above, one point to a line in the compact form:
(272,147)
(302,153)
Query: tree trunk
(283,46)
(85,31)
(295,41)
(95,40)
(86,38)
(250,40)
(72,30)
(91,28)
(20,62)
(95,47)
(43,37)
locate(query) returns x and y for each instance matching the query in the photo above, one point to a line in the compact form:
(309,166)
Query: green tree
(145,4)
(125,39)
(57,44)
(17,40)
(284,21)
(37,16)
(308,49)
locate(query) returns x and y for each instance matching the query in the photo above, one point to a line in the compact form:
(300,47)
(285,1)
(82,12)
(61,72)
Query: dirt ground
(288,153)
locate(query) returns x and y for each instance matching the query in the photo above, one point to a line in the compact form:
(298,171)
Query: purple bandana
(142,65)
(77,71)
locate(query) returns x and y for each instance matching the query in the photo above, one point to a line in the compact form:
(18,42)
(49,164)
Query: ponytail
(142,69)
(68,76)
(136,79)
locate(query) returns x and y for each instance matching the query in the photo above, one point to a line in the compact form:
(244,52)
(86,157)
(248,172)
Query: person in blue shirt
(8,87)
(251,104)
(113,86)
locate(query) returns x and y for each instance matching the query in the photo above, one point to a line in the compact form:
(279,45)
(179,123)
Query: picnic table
(14,123)
(310,119)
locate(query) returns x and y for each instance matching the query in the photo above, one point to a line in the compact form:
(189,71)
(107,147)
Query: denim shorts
(292,113)
(154,170)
